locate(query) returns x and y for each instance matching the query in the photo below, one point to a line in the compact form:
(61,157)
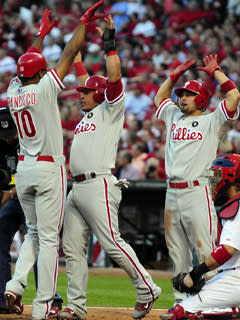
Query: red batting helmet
(202,95)
(226,169)
(30,63)
(97,84)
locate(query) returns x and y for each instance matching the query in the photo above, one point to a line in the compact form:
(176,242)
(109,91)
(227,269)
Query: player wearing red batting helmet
(197,88)
(32,99)
(97,84)
(191,146)
(218,298)
(29,64)
(92,157)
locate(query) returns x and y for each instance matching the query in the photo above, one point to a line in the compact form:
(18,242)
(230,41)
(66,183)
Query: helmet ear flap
(200,103)
(98,96)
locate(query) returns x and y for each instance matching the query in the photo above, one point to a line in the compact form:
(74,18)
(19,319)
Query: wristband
(221,255)
(227,86)
(33,49)
(173,77)
(80,70)
(111,53)
(198,271)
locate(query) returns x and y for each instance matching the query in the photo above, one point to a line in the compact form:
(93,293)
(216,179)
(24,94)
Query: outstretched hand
(89,15)
(211,64)
(176,74)
(46,24)
(109,25)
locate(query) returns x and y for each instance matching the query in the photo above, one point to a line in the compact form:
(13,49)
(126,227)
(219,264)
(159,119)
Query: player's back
(35,112)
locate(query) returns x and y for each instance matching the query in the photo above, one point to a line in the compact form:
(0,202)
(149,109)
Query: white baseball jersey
(191,142)
(96,138)
(230,236)
(190,217)
(41,184)
(35,111)
(94,149)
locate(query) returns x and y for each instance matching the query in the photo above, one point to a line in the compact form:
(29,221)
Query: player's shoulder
(52,76)
(15,82)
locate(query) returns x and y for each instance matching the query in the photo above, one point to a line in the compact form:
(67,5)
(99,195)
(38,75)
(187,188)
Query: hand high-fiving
(46,24)
(89,15)
(176,74)
(211,64)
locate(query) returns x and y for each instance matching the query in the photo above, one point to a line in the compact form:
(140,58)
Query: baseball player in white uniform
(92,156)
(219,298)
(41,177)
(191,146)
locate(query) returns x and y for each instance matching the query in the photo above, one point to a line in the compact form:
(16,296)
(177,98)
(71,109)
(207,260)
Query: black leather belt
(83,177)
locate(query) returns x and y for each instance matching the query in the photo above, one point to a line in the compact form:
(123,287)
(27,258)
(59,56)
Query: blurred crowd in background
(152,37)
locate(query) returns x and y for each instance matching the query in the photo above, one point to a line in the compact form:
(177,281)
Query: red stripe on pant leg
(47,305)
(110,226)
(59,225)
(210,215)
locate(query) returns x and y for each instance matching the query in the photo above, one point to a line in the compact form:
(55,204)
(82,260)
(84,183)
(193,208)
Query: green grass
(106,291)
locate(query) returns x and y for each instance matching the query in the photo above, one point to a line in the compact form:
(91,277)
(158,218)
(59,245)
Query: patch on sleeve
(230,211)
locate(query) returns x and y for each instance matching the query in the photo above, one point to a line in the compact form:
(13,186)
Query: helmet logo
(21,68)
(195,124)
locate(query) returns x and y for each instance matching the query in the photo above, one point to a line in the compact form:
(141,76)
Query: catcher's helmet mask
(202,96)
(226,172)
(97,84)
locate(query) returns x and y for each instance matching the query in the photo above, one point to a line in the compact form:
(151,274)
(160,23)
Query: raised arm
(227,86)
(74,45)
(165,90)
(46,26)
(113,64)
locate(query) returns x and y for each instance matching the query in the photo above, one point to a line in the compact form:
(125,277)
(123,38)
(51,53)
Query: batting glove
(210,64)
(46,25)
(89,16)
(176,74)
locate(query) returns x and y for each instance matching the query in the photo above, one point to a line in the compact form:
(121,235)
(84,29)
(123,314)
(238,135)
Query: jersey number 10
(25,123)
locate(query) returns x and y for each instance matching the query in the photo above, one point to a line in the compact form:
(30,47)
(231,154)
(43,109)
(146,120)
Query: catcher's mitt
(179,284)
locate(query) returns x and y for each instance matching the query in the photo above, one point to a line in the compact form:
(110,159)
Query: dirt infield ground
(93,314)
(102,313)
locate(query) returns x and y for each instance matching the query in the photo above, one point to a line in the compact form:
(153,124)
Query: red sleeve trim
(114,90)
(161,106)
(57,79)
(228,114)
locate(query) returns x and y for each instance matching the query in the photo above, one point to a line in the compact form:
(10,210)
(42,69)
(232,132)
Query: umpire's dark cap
(7,125)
